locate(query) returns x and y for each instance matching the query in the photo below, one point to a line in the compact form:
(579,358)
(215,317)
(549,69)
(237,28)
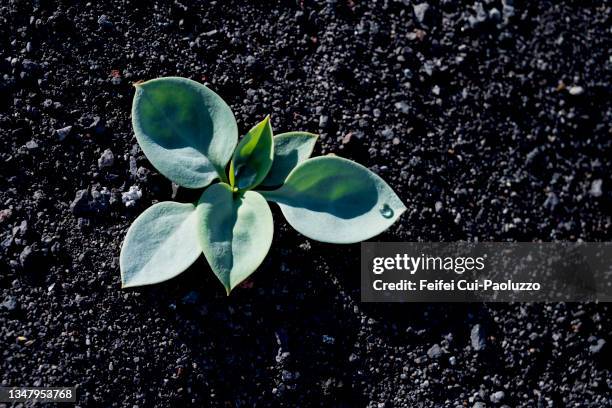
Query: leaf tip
(267,121)
(123,281)
(126,283)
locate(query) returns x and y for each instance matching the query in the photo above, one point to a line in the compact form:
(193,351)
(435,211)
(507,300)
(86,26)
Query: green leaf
(235,232)
(186,130)
(335,200)
(160,244)
(290,149)
(253,157)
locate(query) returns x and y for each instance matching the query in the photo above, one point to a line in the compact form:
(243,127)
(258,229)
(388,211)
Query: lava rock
(423,13)
(575,90)
(98,201)
(107,159)
(477,338)
(63,133)
(595,190)
(131,197)
(9,304)
(80,204)
(497,397)
(104,22)
(434,351)
(28,258)
(597,347)
(31,145)
(5,214)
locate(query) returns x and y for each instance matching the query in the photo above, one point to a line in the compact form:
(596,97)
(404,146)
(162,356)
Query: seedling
(190,134)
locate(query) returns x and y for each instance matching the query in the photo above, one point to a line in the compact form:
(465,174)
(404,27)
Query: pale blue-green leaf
(160,244)
(290,149)
(235,232)
(336,200)
(253,157)
(186,130)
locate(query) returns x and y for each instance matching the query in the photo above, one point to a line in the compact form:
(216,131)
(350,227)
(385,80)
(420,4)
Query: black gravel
(492,121)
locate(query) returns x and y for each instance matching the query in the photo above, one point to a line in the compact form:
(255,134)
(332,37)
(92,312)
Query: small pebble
(130,197)
(31,145)
(107,159)
(62,133)
(596,188)
(402,107)
(434,351)
(422,12)
(497,397)
(575,90)
(104,22)
(597,347)
(477,338)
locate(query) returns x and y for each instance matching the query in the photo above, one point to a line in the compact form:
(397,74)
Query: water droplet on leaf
(386,211)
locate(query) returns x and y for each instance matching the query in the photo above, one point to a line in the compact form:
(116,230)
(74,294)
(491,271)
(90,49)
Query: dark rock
(477,338)
(107,159)
(142,174)
(27,257)
(495,15)
(9,303)
(551,201)
(595,190)
(282,339)
(480,17)
(597,347)
(327,339)
(98,201)
(131,197)
(104,22)
(402,107)
(323,121)
(63,133)
(80,204)
(30,66)
(423,13)
(575,90)
(497,397)
(31,145)
(83,224)
(5,214)
(434,351)
(21,230)
(93,124)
